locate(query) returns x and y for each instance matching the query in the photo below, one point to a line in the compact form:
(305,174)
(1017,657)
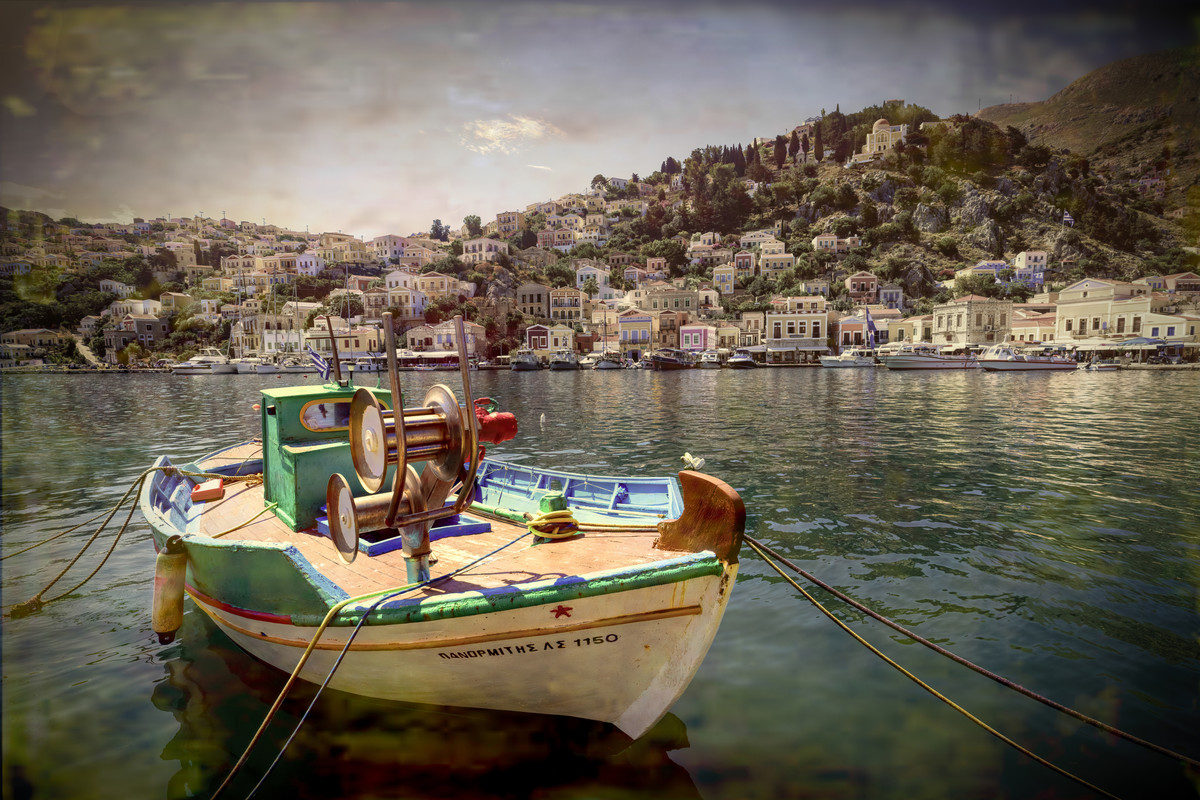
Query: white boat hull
(266,369)
(622,658)
(607,365)
(200,369)
(1028,366)
(834,361)
(224,369)
(901,362)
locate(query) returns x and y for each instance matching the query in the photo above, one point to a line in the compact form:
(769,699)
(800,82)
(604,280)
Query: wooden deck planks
(520,563)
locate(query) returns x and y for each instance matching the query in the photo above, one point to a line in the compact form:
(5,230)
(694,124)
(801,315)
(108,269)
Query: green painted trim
(508,598)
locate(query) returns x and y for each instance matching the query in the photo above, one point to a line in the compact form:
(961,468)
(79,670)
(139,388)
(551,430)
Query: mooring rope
(36,603)
(387,594)
(754,543)
(1011,743)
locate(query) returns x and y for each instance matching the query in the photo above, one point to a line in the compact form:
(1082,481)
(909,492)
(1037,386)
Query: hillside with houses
(887,223)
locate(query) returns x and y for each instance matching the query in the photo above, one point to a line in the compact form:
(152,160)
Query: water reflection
(1047,527)
(355,747)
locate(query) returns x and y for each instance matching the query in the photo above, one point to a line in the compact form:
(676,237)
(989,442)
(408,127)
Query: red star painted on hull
(562,611)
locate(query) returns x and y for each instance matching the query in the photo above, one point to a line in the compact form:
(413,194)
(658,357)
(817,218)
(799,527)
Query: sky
(375,118)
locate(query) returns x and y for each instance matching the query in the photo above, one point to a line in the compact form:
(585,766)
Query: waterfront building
(1093,307)
(1033,327)
(636,330)
(696,337)
(537,339)
(972,320)
(352,342)
(796,329)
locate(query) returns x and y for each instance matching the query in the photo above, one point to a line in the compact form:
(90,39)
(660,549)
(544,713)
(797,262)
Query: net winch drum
(439,433)
(434,432)
(349,516)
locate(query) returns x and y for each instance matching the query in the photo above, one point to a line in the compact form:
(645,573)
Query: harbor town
(248,303)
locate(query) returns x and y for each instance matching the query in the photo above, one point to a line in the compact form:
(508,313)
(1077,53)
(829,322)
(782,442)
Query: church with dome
(882,138)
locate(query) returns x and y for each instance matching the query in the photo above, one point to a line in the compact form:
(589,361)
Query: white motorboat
(709,359)
(205,363)
(928,356)
(588,362)
(564,359)
(1007,358)
(610,360)
(247,365)
(742,360)
(524,360)
(852,357)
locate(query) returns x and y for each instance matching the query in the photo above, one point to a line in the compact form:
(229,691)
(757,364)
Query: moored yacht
(203,363)
(852,357)
(610,360)
(564,359)
(709,359)
(742,359)
(1007,358)
(524,360)
(928,356)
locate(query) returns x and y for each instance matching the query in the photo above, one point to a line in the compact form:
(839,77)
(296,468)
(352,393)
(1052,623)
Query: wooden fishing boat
(483,584)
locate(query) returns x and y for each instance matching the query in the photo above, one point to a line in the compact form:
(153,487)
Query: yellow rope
(920,682)
(268,507)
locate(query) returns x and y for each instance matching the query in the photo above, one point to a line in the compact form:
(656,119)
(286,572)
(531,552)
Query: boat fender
(170,571)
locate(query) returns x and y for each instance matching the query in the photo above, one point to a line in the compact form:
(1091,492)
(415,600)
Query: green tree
(473,226)
(818,146)
(793,146)
(780,151)
(590,287)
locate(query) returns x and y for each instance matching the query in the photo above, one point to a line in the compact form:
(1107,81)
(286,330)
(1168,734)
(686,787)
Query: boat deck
(521,563)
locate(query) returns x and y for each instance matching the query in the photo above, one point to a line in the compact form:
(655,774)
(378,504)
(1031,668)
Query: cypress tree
(818,147)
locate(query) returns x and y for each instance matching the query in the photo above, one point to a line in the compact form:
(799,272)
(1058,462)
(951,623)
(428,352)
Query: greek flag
(320,363)
(1068,219)
(871,329)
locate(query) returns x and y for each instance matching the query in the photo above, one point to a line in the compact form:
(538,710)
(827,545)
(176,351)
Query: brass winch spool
(434,433)
(349,516)
(439,433)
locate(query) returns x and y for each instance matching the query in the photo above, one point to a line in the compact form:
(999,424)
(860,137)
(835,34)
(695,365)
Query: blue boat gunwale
(166,503)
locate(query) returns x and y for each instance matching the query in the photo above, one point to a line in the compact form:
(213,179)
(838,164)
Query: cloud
(505,135)
(539,166)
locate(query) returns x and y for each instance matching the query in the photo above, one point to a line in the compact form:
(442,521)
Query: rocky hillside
(1132,118)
